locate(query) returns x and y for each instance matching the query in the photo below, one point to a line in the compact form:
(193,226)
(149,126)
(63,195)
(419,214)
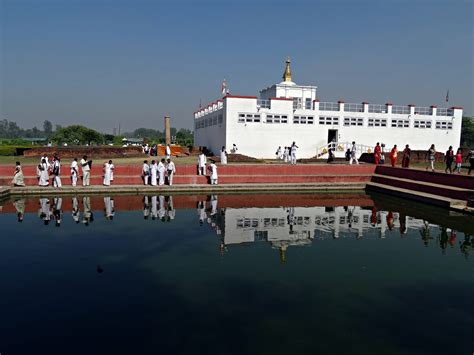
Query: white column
(366,106)
(389,105)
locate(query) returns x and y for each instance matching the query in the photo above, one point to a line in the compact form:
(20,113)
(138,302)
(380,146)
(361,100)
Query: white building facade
(288,112)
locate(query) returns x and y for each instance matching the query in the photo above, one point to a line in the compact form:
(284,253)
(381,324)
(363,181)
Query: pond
(235,274)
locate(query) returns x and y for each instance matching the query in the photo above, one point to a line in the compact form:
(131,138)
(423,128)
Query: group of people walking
(287,154)
(155,173)
(212,168)
(450,158)
(48,172)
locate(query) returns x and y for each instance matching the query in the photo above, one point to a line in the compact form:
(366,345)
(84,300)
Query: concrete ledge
(436,200)
(142,189)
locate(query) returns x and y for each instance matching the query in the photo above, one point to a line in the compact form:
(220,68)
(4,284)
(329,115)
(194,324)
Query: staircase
(447,190)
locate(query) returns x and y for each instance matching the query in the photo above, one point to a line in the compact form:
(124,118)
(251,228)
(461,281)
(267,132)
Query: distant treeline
(77,134)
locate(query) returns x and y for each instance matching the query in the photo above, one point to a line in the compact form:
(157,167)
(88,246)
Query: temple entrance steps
(447,190)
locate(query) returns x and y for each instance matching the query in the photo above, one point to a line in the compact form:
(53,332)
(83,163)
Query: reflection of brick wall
(93,152)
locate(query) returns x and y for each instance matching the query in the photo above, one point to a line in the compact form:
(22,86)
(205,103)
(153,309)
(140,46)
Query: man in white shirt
(168,151)
(353,154)
(202,164)
(145,172)
(86,171)
(74,172)
(161,172)
(213,169)
(293,153)
(57,172)
(171,168)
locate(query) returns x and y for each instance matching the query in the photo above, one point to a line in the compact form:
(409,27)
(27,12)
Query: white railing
(444,112)
(423,111)
(376,108)
(404,110)
(263,103)
(329,106)
(353,107)
(341,148)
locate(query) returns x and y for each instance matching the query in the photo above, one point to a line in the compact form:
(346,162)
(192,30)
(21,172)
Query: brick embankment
(228,174)
(447,190)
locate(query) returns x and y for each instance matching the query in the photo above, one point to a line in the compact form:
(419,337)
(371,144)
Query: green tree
(77,135)
(184,137)
(467,132)
(47,127)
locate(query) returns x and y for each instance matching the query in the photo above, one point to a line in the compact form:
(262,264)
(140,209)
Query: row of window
(209,121)
(348,121)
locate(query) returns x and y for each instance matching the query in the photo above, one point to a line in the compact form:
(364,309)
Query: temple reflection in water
(235,221)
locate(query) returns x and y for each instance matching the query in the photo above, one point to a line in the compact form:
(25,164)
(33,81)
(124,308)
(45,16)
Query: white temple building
(288,112)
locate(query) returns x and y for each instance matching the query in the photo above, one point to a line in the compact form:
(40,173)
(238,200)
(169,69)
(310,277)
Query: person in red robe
(406,157)
(393,155)
(377,153)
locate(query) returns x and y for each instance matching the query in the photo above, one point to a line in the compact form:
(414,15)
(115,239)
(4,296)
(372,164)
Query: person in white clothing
(278,153)
(154,207)
(213,170)
(45,157)
(223,156)
(286,154)
(168,151)
(161,172)
(145,172)
(153,172)
(86,170)
(353,154)
(112,167)
(106,170)
(57,172)
(202,164)
(171,168)
(76,213)
(293,153)
(43,173)
(74,172)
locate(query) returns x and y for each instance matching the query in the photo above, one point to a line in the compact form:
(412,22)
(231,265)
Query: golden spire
(287,73)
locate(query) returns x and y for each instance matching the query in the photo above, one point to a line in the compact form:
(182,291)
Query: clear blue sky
(101,63)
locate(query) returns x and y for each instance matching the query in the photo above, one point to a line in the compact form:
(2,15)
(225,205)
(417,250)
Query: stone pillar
(365,106)
(167,130)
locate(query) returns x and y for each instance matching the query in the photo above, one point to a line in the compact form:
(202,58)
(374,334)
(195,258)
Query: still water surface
(234,274)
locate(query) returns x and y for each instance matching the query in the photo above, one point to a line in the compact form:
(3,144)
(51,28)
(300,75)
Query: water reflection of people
(403,223)
(443,239)
(213,205)
(390,220)
(87,216)
(19,205)
(108,208)
(466,245)
(171,214)
(425,233)
(57,213)
(146,207)
(162,209)
(154,207)
(201,210)
(76,213)
(45,210)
